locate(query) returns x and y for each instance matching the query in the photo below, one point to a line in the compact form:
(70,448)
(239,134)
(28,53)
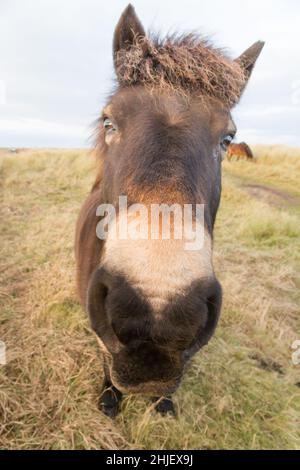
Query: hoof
(109,402)
(165,406)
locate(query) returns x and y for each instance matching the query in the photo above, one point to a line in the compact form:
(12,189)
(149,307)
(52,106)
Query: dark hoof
(165,406)
(109,402)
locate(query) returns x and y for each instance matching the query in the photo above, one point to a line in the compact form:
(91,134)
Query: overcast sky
(56,65)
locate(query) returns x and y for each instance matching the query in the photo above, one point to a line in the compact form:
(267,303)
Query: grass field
(241,391)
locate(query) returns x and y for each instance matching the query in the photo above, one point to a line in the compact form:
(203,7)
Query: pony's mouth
(146,369)
(151,388)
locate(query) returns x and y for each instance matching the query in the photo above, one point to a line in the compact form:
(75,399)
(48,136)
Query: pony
(161,137)
(241,150)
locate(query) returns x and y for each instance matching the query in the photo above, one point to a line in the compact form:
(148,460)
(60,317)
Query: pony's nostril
(104,292)
(130,334)
(98,292)
(114,327)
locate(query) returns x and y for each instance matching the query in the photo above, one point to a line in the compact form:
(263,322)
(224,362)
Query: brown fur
(184,63)
(241,150)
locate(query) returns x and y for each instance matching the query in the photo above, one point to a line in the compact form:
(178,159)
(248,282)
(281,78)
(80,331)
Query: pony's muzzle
(122,316)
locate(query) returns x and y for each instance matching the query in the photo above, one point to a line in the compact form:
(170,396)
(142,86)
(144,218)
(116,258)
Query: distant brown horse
(241,150)
(152,302)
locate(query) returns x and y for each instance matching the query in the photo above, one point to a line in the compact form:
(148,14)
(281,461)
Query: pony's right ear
(128,30)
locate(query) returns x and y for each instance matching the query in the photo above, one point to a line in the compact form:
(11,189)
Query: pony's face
(160,299)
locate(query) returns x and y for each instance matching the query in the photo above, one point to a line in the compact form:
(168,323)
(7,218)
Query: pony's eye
(108,125)
(226,141)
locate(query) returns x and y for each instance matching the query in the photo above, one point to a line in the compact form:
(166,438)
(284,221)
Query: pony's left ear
(248,59)
(128,30)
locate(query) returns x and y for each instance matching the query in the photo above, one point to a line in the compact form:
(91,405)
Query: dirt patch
(267,364)
(272,196)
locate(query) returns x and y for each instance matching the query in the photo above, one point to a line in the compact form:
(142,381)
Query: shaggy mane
(187,63)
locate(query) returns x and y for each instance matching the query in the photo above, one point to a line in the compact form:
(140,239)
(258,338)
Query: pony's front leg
(110,398)
(164,405)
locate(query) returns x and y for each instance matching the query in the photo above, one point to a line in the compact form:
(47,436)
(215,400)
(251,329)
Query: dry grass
(277,166)
(240,391)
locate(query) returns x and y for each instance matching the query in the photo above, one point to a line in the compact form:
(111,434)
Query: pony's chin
(152,388)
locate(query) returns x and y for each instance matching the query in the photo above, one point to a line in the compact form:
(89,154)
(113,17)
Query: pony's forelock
(185,63)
